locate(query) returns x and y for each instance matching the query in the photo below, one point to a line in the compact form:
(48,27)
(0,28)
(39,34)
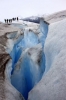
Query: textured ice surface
(53,83)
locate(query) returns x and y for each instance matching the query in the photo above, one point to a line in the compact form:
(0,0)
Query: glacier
(33,59)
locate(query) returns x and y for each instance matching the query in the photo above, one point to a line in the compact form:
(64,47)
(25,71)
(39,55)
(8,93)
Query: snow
(53,83)
(58,16)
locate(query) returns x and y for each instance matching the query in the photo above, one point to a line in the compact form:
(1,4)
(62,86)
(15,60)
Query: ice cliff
(33,59)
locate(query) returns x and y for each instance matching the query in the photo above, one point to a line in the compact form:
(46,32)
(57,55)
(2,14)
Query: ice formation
(28,59)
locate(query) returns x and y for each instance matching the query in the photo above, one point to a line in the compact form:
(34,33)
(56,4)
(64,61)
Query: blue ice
(30,40)
(27,74)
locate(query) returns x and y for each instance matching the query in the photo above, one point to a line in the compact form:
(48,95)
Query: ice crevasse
(28,59)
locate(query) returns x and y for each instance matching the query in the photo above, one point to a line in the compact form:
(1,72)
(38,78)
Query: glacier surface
(33,60)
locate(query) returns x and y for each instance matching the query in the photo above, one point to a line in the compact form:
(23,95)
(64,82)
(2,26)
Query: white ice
(53,83)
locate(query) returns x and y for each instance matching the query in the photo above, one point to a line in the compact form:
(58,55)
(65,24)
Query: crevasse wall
(53,44)
(53,83)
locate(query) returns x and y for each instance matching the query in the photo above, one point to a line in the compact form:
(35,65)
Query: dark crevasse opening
(25,72)
(31,73)
(42,64)
(28,76)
